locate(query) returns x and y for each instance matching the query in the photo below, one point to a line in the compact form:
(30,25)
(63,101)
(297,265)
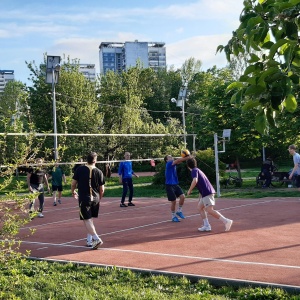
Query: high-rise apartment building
(88,71)
(5,76)
(119,57)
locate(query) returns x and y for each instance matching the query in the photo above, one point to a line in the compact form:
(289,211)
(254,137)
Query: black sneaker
(131,204)
(123,205)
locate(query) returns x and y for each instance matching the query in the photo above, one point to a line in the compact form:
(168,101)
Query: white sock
(89,238)
(179,209)
(206,223)
(223,219)
(173,214)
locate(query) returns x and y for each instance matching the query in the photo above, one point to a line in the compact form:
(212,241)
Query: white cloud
(199,47)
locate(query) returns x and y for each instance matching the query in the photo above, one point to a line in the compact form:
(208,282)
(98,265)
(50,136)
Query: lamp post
(180,102)
(53,68)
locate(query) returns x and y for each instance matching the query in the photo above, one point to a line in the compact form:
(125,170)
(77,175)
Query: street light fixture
(53,68)
(180,102)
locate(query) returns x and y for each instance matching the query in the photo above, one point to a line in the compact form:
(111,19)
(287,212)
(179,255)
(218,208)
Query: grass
(32,280)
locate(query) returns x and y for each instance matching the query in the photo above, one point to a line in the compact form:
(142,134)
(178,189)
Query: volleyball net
(73,148)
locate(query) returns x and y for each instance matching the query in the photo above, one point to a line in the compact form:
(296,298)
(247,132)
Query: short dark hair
(91,156)
(191,163)
(292,147)
(166,158)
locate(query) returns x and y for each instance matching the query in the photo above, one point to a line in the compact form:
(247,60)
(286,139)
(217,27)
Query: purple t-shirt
(203,185)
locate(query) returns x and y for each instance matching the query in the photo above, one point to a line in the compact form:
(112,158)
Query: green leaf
(253,58)
(260,122)
(270,117)
(268,72)
(250,104)
(290,103)
(234,85)
(254,90)
(275,47)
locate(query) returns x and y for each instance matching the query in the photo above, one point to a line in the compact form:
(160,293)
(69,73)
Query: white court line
(230,261)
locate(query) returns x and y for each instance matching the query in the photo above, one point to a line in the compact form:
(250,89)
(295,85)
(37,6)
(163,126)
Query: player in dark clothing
(267,170)
(90,183)
(36,177)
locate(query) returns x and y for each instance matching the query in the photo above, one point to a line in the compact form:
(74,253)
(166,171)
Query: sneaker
(228,224)
(131,204)
(54,203)
(96,244)
(180,214)
(123,205)
(204,228)
(175,219)
(40,215)
(89,244)
(59,201)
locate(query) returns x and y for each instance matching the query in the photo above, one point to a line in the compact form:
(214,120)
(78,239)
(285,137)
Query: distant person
(57,176)
(107,171)
(267,170)
(152,164)
(296,169)
(206,200)
(125,178)
(90,183)
(36,178)
(173,189)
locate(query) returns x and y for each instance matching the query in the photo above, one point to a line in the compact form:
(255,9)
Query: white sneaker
(228,224)
(96,244)
(205,228)
(40,215)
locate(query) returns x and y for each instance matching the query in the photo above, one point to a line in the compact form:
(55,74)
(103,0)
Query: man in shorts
(173,189)
(90,183)
(57,176)
(36,178)
(206,200)
(296,169)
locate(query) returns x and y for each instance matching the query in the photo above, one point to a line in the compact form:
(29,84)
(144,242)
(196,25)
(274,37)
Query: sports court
(263,245)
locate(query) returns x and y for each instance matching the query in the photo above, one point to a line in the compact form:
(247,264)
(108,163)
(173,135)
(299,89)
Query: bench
(278,178)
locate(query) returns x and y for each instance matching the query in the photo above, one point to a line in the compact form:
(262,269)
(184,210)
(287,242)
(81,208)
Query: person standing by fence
(296,169)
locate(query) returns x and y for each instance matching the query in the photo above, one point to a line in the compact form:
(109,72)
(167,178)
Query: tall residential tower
(118,57)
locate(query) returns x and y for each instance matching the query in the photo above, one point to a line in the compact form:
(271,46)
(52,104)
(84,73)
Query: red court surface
(263,245)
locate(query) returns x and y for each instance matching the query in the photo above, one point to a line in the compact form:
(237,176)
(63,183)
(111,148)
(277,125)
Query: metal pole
(217,164)
(183,121)
(54,115)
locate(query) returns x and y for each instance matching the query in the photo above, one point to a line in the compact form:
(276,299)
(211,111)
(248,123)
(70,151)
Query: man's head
(191,163)
(92,158)
(292,149)
(127,155)
(168,158)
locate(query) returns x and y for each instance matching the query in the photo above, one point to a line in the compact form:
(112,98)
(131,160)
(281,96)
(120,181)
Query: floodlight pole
(217,164)
(54,114)
(183,120)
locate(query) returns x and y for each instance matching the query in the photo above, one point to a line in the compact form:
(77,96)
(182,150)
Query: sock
(89,238)
(223,219)
(180,208)
(173,214)
(206,223)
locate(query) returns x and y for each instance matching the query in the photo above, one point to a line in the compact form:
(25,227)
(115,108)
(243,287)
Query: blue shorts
(173,191)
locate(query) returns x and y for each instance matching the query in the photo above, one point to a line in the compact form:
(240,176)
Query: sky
(189,28)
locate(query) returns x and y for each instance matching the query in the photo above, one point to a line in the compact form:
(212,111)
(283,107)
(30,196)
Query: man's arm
(193,184)
(180,160)
(101,191)
(28,182)
(46,181)
(73,187)
(294,170)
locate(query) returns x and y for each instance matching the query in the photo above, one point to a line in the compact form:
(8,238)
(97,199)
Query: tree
(268,32)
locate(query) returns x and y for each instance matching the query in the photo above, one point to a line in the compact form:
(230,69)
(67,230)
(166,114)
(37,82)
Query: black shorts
(298,181)
(173,191)
(57,188)
(88,209)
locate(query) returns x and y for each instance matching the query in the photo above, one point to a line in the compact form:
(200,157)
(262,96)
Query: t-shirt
(296,159)
(171,173)
(203,185)
(125,169)
(37,175)
(82,176)
(57,176)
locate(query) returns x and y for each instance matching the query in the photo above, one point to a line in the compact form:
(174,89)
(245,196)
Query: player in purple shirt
(206,200)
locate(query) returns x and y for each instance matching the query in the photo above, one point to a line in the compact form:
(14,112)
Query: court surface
(263,245)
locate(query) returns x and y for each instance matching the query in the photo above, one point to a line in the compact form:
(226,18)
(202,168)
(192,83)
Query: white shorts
(208,200)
